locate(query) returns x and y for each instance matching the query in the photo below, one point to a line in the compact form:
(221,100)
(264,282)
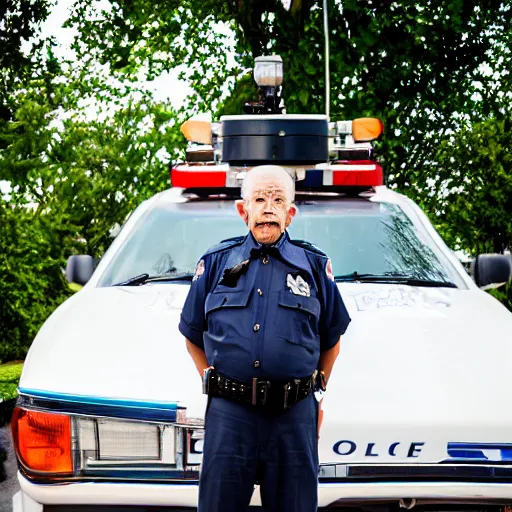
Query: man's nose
(269,205)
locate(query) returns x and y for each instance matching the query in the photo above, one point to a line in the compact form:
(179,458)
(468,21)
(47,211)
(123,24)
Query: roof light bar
(316,152)
(351,173)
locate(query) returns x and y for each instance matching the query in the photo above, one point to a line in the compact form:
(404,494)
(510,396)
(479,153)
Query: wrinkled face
(267,211)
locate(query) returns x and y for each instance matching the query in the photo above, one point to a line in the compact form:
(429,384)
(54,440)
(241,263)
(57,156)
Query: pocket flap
(300,302)
(218,300)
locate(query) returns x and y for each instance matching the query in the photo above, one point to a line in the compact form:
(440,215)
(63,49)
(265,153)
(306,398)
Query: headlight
(105,440)
(54,446)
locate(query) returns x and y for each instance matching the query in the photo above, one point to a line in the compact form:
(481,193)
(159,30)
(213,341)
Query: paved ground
(9,486)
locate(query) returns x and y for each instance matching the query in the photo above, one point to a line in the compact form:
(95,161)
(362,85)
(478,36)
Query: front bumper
(38,497)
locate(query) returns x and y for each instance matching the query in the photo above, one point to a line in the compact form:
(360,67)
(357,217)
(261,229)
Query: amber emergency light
(367,129)
(42,441)
(196,130)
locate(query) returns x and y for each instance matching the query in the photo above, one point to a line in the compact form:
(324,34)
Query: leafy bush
(32,282)
(9,378)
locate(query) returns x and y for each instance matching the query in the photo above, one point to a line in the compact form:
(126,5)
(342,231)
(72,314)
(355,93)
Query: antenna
(327,73)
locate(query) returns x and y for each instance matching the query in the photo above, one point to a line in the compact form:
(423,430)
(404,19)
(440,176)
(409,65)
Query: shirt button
(256,364)
(260,293)
(256,327)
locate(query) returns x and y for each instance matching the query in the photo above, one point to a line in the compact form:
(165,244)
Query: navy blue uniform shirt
(259,313)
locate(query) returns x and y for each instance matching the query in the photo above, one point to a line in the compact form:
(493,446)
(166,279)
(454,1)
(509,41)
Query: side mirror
(79,268)
(491,270)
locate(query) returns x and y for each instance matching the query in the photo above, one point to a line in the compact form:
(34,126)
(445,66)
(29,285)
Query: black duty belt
(273,395)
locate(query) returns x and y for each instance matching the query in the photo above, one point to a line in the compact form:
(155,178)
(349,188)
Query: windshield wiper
(146,278)
(393,278)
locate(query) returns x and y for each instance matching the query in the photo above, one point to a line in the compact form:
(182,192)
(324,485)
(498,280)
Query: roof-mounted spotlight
(268,75)
(268,71)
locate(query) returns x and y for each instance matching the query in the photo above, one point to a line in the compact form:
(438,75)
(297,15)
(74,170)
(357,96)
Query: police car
(416,415)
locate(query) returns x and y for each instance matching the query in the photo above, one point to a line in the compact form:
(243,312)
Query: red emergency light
(199,176)
(350,173)
(357,173)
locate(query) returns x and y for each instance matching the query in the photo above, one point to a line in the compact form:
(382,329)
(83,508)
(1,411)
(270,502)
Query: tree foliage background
(436,72)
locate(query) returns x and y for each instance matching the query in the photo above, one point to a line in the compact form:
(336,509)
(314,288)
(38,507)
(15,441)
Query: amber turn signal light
(42,440)
(196,130)
(366,129)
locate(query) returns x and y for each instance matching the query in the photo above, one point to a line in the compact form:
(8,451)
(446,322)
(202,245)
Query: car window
(359,236)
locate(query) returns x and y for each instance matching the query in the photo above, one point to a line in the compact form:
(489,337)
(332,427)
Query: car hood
(417,365)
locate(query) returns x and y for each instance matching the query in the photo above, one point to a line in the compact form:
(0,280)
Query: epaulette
(309,247)
(225,244)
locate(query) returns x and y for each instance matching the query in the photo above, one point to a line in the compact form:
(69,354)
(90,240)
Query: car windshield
(360,236)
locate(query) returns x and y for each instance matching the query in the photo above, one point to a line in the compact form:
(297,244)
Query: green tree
(86,149)
(471,188)
(425,68)
(19,22)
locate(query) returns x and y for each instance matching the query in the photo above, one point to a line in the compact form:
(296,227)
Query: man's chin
(266,234)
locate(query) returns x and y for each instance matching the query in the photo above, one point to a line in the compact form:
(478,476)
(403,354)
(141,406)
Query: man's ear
(292,210)
(240,208)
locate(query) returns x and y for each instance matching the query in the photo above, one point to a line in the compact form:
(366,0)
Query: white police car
(417,410)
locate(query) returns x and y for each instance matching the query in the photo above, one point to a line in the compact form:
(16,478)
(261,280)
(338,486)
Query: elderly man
(262,322)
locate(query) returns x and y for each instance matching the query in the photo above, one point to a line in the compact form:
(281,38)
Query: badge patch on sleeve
(199,270)
(328,270)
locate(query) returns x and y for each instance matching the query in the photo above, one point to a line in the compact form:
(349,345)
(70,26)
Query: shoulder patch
(199,270)
(308,247)
(328,270)
(225,244)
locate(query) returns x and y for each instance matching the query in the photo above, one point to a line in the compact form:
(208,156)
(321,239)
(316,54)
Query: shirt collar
(290,253)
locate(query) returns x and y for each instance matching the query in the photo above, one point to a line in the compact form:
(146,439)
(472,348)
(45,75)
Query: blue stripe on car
(99,406)
(491,452)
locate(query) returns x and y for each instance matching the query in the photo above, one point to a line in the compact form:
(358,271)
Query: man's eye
(279,200)
(260,200)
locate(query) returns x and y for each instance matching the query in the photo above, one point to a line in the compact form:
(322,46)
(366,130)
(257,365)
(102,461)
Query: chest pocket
(297,319)
(226,297)
(227,313)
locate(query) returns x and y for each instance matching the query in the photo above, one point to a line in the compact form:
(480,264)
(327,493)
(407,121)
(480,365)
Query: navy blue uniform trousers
(278,450)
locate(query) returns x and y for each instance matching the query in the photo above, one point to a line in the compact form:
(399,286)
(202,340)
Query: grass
(75,287)
(9,376)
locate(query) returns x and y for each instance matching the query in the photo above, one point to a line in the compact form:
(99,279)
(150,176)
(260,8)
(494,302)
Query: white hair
(268,171)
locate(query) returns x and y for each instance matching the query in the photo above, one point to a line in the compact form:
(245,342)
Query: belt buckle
(255,383)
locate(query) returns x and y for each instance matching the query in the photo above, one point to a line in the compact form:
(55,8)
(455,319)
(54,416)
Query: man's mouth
(267,224)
